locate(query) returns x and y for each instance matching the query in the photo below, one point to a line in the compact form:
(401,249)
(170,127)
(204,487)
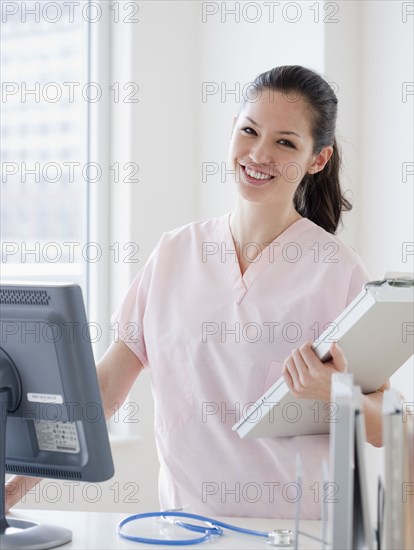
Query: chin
(252,194)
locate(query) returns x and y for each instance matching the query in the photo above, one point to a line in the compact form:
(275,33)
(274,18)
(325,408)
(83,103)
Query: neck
(260,223)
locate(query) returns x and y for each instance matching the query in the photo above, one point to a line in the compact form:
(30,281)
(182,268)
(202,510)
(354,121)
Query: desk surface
(98,530)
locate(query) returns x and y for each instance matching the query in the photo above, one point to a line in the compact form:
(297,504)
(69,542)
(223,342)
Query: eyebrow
(285,132)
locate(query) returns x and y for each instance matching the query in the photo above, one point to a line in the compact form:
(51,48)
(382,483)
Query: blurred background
(116,119)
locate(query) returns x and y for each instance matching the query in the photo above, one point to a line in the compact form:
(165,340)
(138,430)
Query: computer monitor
(52,419)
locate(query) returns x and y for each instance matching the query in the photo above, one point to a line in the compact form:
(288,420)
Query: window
(44,200)
(51,145)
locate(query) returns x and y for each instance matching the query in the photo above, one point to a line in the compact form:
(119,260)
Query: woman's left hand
(309,378)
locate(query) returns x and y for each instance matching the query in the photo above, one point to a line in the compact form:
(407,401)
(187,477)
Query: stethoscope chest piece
(280,537)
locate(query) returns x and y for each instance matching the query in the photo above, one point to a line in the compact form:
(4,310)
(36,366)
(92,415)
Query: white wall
(343,66)
(386,227)
(386,138)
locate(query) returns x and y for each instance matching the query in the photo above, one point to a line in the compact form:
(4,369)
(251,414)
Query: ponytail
(319,196)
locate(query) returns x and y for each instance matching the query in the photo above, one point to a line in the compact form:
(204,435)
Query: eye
(287,143)
(249,130)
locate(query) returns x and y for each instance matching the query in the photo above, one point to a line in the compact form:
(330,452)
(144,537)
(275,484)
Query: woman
(224,306)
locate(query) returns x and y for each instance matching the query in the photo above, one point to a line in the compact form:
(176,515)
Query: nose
(261,153)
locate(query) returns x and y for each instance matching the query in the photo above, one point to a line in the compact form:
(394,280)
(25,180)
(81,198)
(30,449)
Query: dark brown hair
(319,196)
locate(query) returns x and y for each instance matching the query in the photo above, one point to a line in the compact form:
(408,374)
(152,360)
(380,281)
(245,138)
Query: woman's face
(271,147)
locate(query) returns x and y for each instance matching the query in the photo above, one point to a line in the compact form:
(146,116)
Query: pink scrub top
(215,341)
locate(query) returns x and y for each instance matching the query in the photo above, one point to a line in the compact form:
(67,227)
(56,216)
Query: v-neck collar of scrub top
(267,256)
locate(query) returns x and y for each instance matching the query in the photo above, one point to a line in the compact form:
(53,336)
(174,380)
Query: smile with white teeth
(257,175)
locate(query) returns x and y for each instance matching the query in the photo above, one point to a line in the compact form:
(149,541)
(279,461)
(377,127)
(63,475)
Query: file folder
(376,333)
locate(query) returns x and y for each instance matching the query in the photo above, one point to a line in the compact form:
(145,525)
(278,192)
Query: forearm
(117,371)
(17,487)
(373,417)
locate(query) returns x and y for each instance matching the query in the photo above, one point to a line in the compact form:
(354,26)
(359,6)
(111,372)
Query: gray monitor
(52,419)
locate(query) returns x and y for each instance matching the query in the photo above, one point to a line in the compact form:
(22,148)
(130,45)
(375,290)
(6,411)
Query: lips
(255,177)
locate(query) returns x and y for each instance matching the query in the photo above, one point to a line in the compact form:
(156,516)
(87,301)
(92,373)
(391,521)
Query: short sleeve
(128,321)
(359,276)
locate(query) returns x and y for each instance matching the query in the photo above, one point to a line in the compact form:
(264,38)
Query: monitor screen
(53,415)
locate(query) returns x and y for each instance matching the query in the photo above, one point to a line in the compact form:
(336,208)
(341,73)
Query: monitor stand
(17,534)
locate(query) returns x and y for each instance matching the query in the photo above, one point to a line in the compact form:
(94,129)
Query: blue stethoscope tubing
(216,528)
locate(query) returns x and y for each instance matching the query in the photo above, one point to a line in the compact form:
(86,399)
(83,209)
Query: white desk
(98,530)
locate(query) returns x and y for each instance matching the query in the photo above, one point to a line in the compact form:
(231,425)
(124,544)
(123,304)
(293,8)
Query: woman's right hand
(17,487)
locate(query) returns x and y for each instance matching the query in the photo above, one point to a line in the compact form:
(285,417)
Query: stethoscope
(210,529)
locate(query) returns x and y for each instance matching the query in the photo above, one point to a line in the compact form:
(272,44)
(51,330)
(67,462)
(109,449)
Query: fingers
(309,357)
(296,372)
(338,358)
(313,363)
(17,487)
(306,376)
(291,375)
(301,370)
(288,378)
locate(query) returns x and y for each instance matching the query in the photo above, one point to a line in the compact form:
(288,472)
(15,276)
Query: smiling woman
(188,308)
(281,145)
